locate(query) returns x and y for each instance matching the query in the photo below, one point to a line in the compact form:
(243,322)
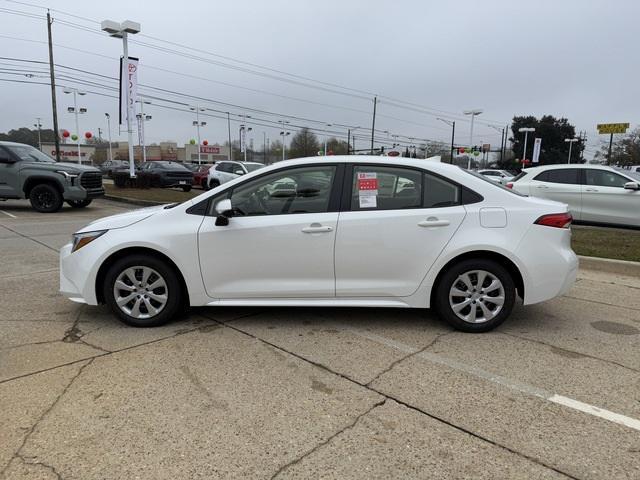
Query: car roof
(566,165)
(15,144)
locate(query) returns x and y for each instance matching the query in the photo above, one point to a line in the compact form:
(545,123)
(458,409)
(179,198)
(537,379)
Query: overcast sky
(577,59)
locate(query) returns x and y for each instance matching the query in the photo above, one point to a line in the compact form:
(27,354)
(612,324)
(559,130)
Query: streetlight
(122,30)
(473,113)
(75,111)
(109,128)
(526,131)
(38,125)
(243,139)
(349,137)
(452,124)
(571,141)
(284,134)
(142,118)
(197,123)
(325,140)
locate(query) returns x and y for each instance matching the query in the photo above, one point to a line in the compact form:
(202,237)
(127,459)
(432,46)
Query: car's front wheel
(79,203)
(475,295)
(45,198)
(143,291)
(204,184)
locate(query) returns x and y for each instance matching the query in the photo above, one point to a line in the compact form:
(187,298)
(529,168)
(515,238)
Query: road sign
(393,153)
(612,128)
(536,150)
(486,147)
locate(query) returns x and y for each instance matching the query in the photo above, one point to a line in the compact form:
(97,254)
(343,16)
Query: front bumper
(77,275)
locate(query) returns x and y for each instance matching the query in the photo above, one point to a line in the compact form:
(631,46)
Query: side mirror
(224,211)
(632,186)
(239,172)
(6,160)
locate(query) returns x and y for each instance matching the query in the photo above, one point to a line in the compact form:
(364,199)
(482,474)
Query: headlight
(82,239)
(67,175)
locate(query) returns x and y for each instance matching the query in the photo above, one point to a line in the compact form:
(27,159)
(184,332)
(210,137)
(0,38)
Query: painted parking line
(503,381)
(8,214)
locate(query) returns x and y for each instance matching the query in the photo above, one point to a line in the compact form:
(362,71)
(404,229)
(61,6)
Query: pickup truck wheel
(45,198)
(186,188)
(79,203)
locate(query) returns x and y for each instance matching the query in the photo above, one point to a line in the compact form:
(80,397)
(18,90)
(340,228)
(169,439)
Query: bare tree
(304,144)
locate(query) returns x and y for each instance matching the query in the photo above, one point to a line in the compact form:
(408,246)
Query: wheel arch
(117,255)
(504,261)
(32,181)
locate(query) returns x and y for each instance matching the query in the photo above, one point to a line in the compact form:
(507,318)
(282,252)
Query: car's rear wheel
(143,291)
(214,183)
(45,198)
(204,184)
(186,188)
(79,203)
(475,295)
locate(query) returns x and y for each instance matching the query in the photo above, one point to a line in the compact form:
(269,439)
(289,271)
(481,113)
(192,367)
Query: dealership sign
(128,88)
(536,150)
(612,128)
(208,149)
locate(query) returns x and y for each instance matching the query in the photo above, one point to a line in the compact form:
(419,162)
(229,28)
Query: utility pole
(348,140)
(452,124)
(52,73)
(264,147)
(373,125)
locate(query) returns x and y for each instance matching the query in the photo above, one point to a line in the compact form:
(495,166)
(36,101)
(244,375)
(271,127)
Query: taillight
(509,185)
(557,220)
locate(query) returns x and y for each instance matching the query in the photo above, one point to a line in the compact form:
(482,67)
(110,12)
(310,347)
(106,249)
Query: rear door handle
(317,228)
(591,190)
(433,222)
(542,186)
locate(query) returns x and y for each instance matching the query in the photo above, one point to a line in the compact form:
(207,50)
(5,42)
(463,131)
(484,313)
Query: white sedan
(594,193)
(340,231)
(498,176)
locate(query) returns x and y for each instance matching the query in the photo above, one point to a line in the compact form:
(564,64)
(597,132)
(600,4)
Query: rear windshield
(491,182)
(519,176)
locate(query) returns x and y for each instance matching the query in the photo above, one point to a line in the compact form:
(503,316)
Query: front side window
(29,153)
(295,190)
(561,175)
(385,188)
(604,178)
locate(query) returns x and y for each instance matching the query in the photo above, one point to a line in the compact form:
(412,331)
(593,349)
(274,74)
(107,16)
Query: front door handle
(317,228)
(591,190)
(433,222)
(542,186)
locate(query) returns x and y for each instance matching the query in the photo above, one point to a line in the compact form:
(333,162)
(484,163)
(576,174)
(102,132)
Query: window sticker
(367,189)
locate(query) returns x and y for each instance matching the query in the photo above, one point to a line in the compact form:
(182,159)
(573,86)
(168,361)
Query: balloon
(462,150)
(205,143)
(192,141)
(88,135)
(65,133)
(74,137)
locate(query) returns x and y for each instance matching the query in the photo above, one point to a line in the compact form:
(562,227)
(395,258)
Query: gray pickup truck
(26,172)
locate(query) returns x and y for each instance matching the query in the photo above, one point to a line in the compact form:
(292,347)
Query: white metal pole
(39,140)
(132,161)
(524,152)
(244,142)
(75,109)
(570,144)
(142,121)
(283,145)
(473,114)
(229,133)
(198,130)
(109,128)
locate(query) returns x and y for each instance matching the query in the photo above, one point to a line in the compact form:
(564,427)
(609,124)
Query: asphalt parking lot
(308,393)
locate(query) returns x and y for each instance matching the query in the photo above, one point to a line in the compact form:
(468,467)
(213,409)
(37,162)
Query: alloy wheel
(476,296)
(140,292)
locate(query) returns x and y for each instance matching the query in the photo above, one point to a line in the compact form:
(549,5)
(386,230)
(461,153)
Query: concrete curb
(620,267)
(133,201)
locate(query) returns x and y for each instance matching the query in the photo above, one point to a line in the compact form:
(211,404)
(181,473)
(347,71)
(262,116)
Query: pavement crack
(328,439)
(601,303)
(74,334)
(18,454)
(51,468)
(586,355)
(406,357)
(30,238)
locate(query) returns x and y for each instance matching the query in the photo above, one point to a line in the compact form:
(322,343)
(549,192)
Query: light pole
(122,30)
(75,111)
(473,114)
(571,141)
(109,128)
(284,134)
(264,147)
(197,123)
(142,118)
(229,133)
(526,131)
(242,133)
(325,140)
(38,125)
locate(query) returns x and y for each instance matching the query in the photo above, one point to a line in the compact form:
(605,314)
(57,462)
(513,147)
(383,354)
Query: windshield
(253,166)
(634,175)
(491,182)
(29,153)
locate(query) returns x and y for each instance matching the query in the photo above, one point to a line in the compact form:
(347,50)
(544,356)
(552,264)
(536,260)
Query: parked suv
(110,166)
(167,174)
(26,172)
(225,171)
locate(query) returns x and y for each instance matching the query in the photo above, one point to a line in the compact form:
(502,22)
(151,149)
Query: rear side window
(385,188)
(561,175)
(440,193)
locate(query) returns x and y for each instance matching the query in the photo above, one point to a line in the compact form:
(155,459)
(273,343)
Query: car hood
(121,220)
(65,166)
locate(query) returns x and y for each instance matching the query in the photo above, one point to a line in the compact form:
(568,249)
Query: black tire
(186,188)
(204,184)
(475,295)
(79,203)
(214,183)
(45,198)
(173,291)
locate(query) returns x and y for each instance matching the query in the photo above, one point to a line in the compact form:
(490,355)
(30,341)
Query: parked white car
(594,193)
(225,171)
(498,176)
(339,231)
